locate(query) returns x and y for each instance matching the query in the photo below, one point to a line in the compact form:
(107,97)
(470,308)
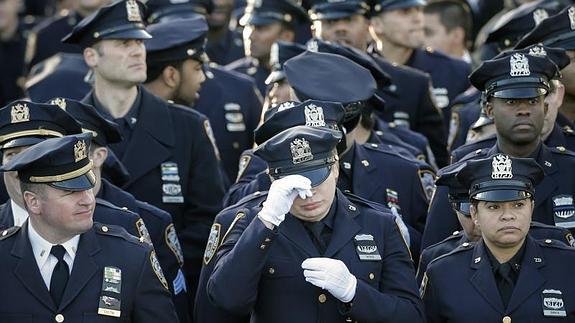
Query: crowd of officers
(227,161)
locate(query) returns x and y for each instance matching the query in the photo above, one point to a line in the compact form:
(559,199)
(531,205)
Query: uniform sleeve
(422,267)
(430,301)
(430,124)
(397,299)
(232,287)
(246,186)
(441,219)
(153,302)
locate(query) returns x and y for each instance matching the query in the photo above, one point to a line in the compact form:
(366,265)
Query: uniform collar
(515,261)
(41,247)
(20,215)
(130,118)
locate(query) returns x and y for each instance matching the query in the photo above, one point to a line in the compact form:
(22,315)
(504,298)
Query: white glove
(281,195)
(331,275)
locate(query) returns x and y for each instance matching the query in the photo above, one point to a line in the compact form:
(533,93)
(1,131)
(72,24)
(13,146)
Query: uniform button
(561,148)
(271,271)
(322,298)
(268,240)
(506,319)
(104,228)
(371,276)
(59,318)
(236,145)
(263,246)
(455,233)
(548,241)
(4,233)
(465,244)
(124,208)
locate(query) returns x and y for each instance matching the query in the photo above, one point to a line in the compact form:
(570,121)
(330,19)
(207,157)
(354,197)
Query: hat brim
(81,183)
(502,195)
(275,76)
(567,44)
(135,33)
(525,92)
(21,142)
(405,4)
(334,15)
(482,121)
(316,176)
(255,20)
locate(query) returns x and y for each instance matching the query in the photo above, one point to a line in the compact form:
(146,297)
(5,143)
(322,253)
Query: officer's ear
(473,212)
(32,202)
(171,76)
(91,55)
(488,108)
(98,156)
(287,35)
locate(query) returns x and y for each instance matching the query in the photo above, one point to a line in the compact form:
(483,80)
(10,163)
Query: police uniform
(113,274)
(282,51)
(555,31)
(261,13)
(506,76)
(533,289)
(464,113)
(155,226)
(227,49)
(270,273)
(166,147)
(44,40)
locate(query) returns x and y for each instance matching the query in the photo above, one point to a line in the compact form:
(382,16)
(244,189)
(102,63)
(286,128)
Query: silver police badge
(213,241)
(133,11)
(538,51)
(20,113)
(173,243)
(300,151)
(314,116)
(286,106)
(571,13)
(539,15)
(563,206)
(501,167)
(519,65)
(553,305)
(312,46)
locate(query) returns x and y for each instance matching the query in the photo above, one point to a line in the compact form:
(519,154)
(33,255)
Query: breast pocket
(282,269)
(367,271)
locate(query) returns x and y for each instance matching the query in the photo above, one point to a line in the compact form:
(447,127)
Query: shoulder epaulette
(552,243)
(461,248)
(106,204)
(116,231)
(7,233)
(561,150)
(454,235)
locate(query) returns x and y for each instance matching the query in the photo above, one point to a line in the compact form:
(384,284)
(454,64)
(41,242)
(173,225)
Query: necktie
(316,228)
(505,282)
(59,275)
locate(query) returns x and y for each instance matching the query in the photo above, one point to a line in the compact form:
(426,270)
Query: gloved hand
(331,275)
(281,195)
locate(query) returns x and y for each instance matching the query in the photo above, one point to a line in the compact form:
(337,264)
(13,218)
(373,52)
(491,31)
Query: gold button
(561,148)
(506,319)
(271,271)
(465,244)
(105,229)
(59,318)
(322,298)
(371,276)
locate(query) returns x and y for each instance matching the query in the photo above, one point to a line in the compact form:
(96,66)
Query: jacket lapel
(153,135)
(549,183)
(530,278)
(363,167)
(294,231)
(482,278)
(84,267)
(27,270)
(345,226)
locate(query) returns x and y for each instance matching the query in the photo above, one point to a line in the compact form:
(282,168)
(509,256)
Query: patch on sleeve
(427,181)
(173,243)
(570,239)
(243,165)
(212,244)
(180,283)
(158,269)
(210,134)
(143,232)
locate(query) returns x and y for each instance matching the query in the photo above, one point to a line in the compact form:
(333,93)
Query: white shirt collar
(19,214)
(41,247)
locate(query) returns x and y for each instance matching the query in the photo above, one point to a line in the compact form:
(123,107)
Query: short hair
(154,70)
(32,187)
(452,14)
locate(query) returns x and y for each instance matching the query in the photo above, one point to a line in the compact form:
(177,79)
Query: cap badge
(300,151)
(571,13)
(314,116)
(312,46)
(286,106)
(519,65)
(80,151)
(133,11)
(539,15)
(501,167)
(61,102)
(538,51)
(20,113)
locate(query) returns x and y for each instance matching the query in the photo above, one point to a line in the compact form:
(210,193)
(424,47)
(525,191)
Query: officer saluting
(311,248)
(508,276)
(60,266)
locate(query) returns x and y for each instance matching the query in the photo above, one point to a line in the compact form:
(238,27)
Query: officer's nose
(87,197)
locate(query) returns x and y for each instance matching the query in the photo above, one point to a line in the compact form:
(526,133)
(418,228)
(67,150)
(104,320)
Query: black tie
(505,282)
(59,275)
(316,228)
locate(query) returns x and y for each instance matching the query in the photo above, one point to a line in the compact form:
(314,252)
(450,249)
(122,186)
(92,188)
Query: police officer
(23,124)
(158,230)
(470,233)
(44,40)
(408,98)
(165,148)
(397,27)
(508,276)
(229,99)
(278,87)
(60,265)
(323,236)
(225,44)
(264,22)
(515,87)
(556,31)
